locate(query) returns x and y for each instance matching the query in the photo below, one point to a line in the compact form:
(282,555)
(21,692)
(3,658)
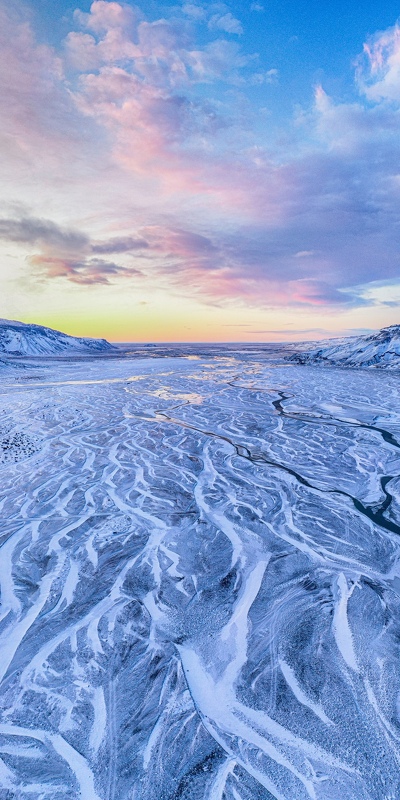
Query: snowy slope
(19,338)
(380,349)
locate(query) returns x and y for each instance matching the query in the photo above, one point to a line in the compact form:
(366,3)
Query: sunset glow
(200,171)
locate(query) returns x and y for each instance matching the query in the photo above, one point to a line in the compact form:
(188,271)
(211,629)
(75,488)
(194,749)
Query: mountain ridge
(379,349)
(26,339)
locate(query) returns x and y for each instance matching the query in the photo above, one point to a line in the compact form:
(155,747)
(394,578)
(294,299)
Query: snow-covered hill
(380,349)
(19,338)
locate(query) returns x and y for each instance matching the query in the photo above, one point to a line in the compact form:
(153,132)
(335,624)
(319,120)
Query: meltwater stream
(200,581)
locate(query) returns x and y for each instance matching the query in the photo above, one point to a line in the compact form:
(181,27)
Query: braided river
(200,579)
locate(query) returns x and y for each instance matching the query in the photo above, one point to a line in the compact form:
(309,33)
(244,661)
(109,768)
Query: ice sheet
(200,579)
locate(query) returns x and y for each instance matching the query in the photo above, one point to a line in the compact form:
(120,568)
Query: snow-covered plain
(200,579)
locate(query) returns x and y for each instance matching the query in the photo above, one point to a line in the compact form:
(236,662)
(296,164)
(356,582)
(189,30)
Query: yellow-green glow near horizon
(205,325)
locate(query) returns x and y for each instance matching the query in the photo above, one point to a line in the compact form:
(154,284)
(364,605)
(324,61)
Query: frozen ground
(200,580)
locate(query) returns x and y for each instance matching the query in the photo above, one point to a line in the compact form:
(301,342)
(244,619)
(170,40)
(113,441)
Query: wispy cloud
(226,22)
(139,132)
(31,230)
(194,11)
(119,244)
(90,272)
(69,254)
(378,69)
(294,331)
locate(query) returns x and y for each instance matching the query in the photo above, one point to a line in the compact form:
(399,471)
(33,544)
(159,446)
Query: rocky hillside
(19,338)
(380,349)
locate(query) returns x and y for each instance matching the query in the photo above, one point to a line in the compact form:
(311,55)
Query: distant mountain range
(380,349)
(21,339)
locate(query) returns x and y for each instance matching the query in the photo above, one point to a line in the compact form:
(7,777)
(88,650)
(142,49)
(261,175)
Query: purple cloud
(221,211)
(66,253)
(119,244)
(90,272)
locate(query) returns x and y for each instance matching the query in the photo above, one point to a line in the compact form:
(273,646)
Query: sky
(200,171)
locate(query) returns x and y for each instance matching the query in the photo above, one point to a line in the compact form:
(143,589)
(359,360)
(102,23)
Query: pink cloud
(162,135)
(144,121)
(140,93)
(217,273)
(40,127)
(84,53)
(178,242)
(105,16)
(185,183)
(155,50)
(227,285)
(378,72)
(30,79)
(70,253)
(89,272)
(161,52)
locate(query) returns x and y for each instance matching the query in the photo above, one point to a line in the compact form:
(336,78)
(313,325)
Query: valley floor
(200,580)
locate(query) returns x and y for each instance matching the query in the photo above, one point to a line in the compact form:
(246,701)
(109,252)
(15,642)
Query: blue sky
(307,41)
(186,167)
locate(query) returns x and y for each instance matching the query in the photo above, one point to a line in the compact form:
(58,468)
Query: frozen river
(200,580)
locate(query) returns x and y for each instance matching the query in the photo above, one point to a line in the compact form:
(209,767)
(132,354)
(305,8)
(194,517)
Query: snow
(381,349)
(199,577)
(18,338)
